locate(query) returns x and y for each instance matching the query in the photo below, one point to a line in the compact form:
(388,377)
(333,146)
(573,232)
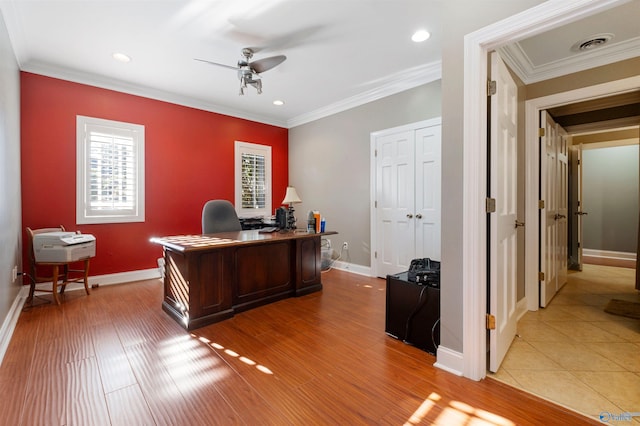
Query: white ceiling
(340,53)
(337,50)
(554,52)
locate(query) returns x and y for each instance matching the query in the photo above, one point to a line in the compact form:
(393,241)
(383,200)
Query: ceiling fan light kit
(249,72)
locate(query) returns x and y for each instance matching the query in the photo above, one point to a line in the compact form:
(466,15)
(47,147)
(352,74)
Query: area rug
(623,308)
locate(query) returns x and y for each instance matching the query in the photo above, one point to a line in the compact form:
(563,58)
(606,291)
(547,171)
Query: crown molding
(391,85)
(144,91)
(520,63)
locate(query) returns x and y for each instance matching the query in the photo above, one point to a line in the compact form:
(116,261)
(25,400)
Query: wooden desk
(208,278)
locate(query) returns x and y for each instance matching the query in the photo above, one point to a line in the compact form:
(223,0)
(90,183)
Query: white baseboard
(606,254)
(125,277)
(110,279)
(521,308)
(352,267)
(10,321)
(449,360)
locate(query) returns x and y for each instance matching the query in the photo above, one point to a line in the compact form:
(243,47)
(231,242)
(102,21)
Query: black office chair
(219,216)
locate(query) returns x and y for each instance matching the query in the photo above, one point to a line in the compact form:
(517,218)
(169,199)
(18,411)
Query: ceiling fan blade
(265,64)
(215,63)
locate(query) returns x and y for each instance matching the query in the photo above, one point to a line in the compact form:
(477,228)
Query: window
(110,171)
(253,179)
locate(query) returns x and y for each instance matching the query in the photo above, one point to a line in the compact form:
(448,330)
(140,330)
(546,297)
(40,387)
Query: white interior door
(503,231)
(581,212)
(562,192)
(427,189)
(575,210)
(553,218)
(549,212)
(395,200)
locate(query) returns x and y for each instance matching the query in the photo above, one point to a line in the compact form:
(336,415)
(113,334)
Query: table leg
(86,276)
(55,284)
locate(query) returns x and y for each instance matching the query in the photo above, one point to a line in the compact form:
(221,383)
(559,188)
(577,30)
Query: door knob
(518,223)
(582,213)
(418,216)
(409,215)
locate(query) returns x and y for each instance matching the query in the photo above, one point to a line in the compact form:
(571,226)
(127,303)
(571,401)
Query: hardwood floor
(115,358)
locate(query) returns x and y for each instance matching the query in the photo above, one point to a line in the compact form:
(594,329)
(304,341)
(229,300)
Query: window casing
(252,179)
(110,171)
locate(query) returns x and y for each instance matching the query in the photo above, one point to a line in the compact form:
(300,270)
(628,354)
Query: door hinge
(492,87)
(375,204)
(540,204)
(375,152)
(541,132)
(490,322)
(540,276)
(375,254)
(490,205)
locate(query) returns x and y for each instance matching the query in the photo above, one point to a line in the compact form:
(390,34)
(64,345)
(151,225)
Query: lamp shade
(291,196)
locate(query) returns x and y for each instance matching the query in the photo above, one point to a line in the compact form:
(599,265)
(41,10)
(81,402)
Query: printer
(63,246)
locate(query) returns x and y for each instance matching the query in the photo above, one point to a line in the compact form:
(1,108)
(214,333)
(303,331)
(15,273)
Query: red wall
(189,160)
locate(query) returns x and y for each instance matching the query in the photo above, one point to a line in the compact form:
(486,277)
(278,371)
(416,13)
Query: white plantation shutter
(110,171)
(252,179)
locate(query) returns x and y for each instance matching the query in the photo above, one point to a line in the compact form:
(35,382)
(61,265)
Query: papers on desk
(268,230)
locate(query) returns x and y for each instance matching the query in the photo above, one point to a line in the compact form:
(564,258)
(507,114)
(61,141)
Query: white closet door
(395,177)
(427,190)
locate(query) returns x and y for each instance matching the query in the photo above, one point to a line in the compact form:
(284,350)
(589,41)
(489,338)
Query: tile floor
(577,355)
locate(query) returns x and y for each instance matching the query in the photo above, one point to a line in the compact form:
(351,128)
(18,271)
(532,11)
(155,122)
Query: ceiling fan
(249,72)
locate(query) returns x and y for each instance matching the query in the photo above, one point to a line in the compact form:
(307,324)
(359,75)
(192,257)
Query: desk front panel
(263,271)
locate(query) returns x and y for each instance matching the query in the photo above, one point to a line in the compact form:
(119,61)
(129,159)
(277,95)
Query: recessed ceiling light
(278,102)
(121,57)
(420,35)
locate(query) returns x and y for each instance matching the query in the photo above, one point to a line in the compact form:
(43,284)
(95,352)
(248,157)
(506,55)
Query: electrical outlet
(328,243)
(345,245)
(14,274)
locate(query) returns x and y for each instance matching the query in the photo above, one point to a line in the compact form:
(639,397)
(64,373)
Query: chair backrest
(219,216)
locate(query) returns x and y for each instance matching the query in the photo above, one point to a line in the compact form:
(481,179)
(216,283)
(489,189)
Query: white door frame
(477,45)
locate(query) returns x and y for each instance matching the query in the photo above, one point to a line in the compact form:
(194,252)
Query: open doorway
(472,361)
(605,222)
(573,352)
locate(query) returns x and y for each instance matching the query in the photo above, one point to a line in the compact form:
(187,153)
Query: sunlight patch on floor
(232,354)
(456,414)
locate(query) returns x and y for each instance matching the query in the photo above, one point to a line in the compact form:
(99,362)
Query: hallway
(577,355)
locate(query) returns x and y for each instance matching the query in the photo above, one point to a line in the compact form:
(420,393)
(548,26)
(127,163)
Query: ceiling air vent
(591,42)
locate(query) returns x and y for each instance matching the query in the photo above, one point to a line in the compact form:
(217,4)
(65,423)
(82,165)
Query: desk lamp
(291,197)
